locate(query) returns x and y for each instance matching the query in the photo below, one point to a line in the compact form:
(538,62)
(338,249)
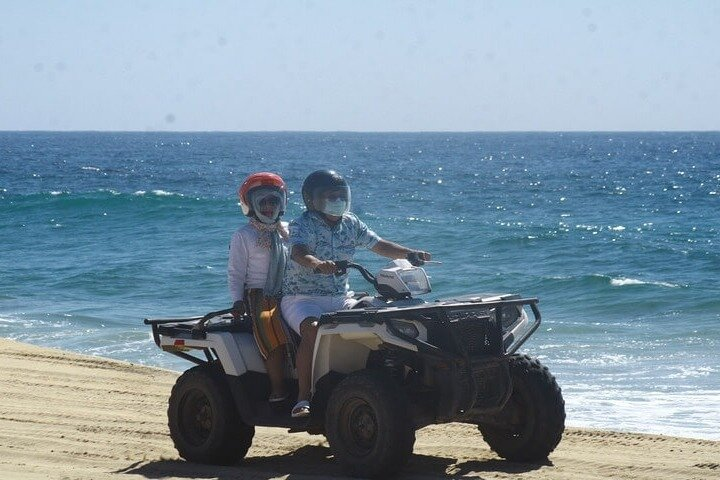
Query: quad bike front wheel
(532,422)
(204,423)
(367,425)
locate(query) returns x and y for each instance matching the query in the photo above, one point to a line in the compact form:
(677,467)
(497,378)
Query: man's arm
(301,255)
(394,250)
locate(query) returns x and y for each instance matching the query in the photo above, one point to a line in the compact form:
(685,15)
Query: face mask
(257,201)
(336,208)
(269,220)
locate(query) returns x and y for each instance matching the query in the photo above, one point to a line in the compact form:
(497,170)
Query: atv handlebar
(343,265)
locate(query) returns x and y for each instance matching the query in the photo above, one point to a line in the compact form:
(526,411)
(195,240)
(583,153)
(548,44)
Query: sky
(370,65)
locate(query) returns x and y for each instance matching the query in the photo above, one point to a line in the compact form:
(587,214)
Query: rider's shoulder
(349,217)
(243,230)
(352,219)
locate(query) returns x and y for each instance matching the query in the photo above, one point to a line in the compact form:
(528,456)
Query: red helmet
(261,179)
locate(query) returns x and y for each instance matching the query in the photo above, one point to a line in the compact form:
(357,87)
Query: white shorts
(296,308)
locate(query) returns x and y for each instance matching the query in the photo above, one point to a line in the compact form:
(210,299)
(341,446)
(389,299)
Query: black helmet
(318,184)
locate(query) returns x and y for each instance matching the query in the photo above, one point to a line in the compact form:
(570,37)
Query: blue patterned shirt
(326,243)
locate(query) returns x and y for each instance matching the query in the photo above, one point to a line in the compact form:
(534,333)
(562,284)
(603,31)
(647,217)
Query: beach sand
(69,416)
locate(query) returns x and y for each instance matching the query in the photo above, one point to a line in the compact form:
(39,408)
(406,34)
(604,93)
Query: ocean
(618,234)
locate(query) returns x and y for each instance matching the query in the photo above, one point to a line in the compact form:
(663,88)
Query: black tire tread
(549,414)
(399,438)
(233,438)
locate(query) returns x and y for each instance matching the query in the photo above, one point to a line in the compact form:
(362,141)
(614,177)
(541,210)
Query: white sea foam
(688,413)
(605,360)
(6,322)
(158,193)
(692,372)
(163,193)
(21,328)
(622,282)
(94,169)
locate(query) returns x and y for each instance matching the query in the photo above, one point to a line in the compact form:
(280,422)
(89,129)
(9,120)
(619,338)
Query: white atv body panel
(339,347)
(237,352)
(344,347)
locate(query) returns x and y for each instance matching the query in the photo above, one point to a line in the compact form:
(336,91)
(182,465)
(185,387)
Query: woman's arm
(237,267)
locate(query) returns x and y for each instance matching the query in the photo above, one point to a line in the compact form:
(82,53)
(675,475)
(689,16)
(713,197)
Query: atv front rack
(466,347)
(442,314)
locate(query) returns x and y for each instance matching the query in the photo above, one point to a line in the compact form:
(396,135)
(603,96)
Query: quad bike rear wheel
(533,419)
(204,423)
(367,425)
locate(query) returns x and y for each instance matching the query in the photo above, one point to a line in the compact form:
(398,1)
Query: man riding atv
(325,233)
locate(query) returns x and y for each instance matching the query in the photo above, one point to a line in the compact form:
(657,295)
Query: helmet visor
(333,201)
(267,203)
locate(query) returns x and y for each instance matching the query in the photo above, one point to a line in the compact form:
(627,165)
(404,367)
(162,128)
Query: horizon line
(360,131)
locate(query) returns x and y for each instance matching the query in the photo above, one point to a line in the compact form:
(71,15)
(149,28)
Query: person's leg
(270,338)
(275,366)
(304,358)
(301,313)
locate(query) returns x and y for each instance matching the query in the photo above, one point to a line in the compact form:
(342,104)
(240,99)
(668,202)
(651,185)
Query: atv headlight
(406,328)
(510,315)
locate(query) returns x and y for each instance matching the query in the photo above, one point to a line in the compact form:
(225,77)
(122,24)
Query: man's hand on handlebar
(326,267)
(418,257)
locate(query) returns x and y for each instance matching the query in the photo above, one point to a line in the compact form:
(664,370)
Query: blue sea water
(618,234)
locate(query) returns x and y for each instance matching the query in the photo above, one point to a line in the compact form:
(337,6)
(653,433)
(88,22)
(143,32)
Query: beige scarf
(270,237)
(265,232)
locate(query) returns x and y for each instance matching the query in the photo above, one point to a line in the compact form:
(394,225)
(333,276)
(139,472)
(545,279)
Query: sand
(68,416)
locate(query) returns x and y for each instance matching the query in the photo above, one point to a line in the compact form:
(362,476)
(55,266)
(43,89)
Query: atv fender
(344,347)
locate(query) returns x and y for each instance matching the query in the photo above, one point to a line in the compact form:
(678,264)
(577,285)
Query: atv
(382,370)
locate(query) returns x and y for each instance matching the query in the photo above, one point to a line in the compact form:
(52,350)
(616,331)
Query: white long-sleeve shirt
(248,263)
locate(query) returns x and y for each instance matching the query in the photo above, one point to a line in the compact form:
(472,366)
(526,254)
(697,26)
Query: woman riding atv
(255,270)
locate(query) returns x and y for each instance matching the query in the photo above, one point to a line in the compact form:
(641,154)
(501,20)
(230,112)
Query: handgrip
(341,267)
(415,259)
